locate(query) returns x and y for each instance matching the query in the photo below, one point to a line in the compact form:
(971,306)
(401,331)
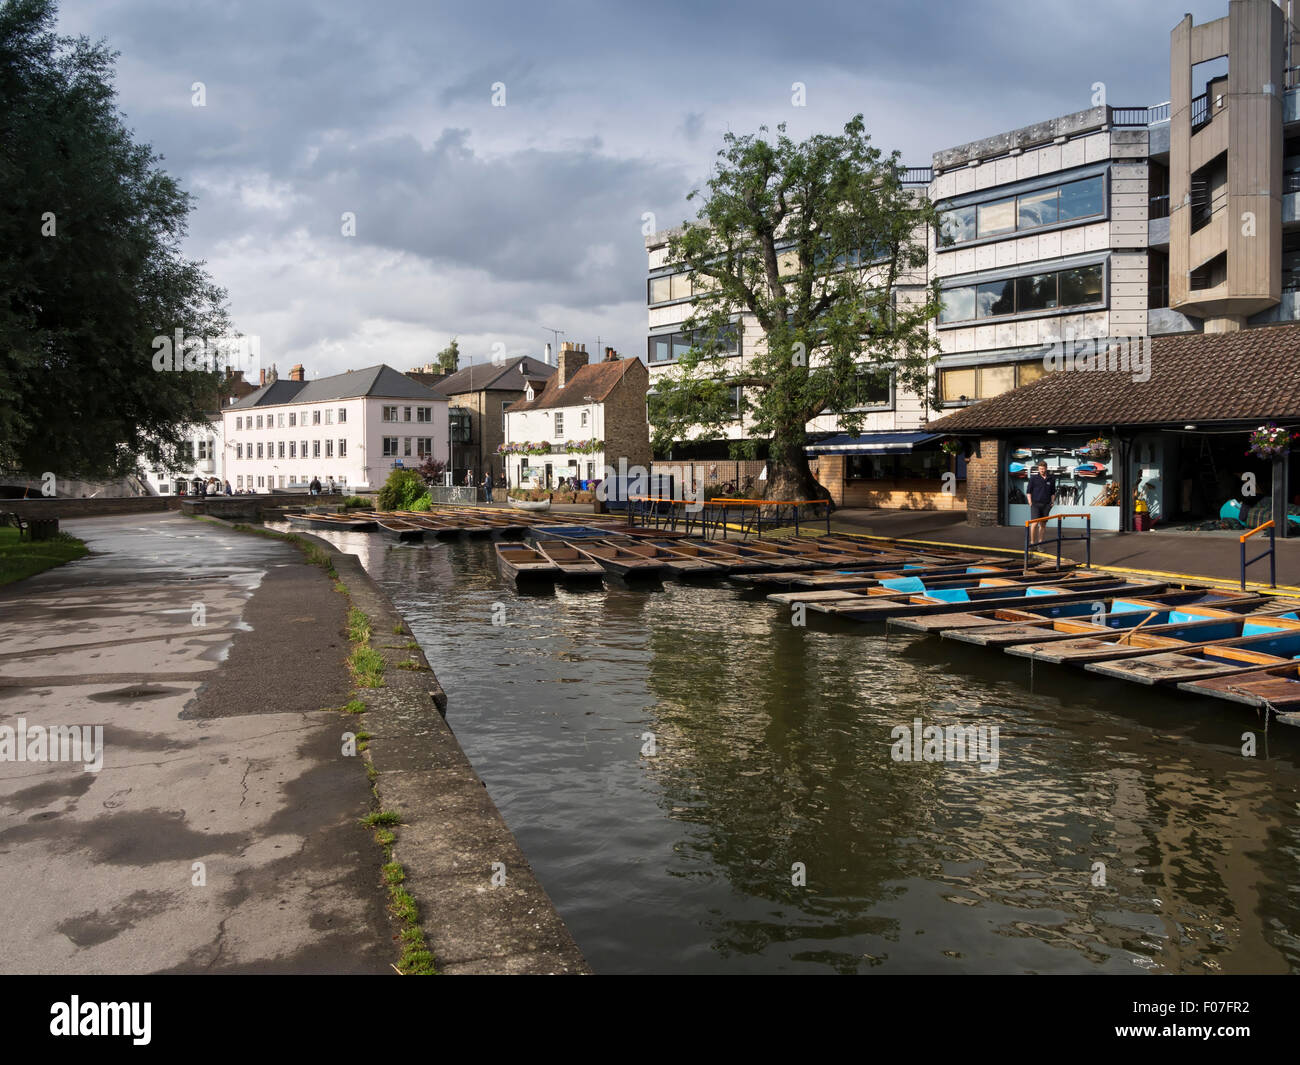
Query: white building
(354,428)
(200,456)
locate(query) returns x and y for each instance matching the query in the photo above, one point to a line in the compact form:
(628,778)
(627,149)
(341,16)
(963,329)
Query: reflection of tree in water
(767,747)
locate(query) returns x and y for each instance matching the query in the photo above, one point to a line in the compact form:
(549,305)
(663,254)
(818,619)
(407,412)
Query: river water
(703,786)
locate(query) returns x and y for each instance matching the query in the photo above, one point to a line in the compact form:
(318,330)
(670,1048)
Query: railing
(714,518)
(1060,537)
(1200,111)
(1139,116)
(1272,558)
(917,175)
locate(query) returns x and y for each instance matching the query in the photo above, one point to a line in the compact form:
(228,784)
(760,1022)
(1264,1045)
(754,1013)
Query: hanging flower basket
(1098,448)
(524,448)
(951,446)
(1270,442)
(584,447)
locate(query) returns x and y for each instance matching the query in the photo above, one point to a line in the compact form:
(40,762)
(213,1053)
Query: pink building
(354,427)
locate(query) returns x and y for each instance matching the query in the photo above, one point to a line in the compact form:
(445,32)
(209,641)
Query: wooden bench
(8,518)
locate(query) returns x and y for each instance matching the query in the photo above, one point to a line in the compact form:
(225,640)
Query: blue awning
(870,444)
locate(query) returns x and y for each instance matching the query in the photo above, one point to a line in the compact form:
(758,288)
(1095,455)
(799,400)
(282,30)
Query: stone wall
(983,470)
(67,508)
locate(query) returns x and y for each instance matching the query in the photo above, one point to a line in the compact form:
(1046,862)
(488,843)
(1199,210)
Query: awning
(870,444)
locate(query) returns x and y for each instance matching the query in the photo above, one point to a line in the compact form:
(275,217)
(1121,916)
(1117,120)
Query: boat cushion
(904,584)
(949,595)
(1181,617)
(1042,591)
(979,569)
(1127,606)
(1259,628)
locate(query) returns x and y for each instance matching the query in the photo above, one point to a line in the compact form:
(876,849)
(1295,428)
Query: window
(982,382)
(734,396)
(406,447)
(315,449)
(665,288)
(239,481)
(293,449)
(239,423)
(406,414)
(424,414)
(668,347)
(279,450)
(259,421)
(584,419)
(239,451)
(293,419)
(559,423)
(343,448)
(390,414)
(329,449)
(871,388)
(1067,202)
(329,415)
(343,415)
(259,451)
(424,447)
(918,465)
(1078,287)
(315,417)
(390,444)
(302,449)
(261,482)
(280,421)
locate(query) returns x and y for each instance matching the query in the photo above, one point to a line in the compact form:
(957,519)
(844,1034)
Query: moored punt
(882,607)
(617,559)
(432,526)
(1137,634)
(572,563)
(333,521)
(1207,660)
(858,577)
(569,532)
(523,565)
(951,587)
(1274,688)
(677,562)
(401,531)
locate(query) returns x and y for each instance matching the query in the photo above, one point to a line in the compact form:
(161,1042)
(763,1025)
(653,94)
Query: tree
(91,272)
(449,357)
(819,245)
(431,470)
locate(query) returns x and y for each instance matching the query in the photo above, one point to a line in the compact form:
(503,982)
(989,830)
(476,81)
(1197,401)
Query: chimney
(547,357)
(261,378)
(298,373)
(572,358)
(611,355)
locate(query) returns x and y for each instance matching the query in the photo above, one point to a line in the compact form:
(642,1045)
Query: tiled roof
(498,377)
(1249,376)
(379,381)
(596,380)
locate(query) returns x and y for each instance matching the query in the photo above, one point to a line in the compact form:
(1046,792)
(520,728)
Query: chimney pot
(261,378)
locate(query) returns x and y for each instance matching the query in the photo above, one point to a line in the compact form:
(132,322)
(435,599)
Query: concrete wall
(65,508)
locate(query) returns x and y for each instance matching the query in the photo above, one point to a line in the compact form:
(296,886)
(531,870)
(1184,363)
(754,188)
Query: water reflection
(772,747)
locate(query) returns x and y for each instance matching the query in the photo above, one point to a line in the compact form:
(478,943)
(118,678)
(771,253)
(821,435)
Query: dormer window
(529,393)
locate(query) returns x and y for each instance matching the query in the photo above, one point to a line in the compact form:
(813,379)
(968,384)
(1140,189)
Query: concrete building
(354,427)
(586,420)
(201,455)
(1092,231)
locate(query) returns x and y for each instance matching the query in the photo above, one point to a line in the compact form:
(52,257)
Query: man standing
(1041,491)
(487,485)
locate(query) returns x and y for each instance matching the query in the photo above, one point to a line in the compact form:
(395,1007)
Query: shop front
(901,471)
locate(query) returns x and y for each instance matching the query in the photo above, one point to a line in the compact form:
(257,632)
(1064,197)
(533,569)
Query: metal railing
(1269,554)
(1200,111)
(917,175)
(716,517)
(1060,537)
(1139,116)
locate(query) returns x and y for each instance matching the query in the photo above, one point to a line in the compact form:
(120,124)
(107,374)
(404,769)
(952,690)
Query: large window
(982,382)
(871,388)
(1077,287)
(559,423)
(424,414)
(665,288)
(669,347)
(390,445)
(1068,202)
(390,414)
(918,465)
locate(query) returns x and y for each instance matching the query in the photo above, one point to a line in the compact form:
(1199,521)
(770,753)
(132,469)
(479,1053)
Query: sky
(499,159)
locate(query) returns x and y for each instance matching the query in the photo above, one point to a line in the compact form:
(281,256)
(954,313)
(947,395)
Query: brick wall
(983,471)
(627,432)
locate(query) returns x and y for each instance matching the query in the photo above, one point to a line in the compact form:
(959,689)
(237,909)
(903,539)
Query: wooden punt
(1274,688)
(676,563)
(864,573)
(617,559)
(523,565)
(990,619)
(333,521)
(864,577)
(951,587)
(1231,656)
(757,551)
(401,531)
(572,563)
(568,532)
(432,526)
(1152,615)
(883,607)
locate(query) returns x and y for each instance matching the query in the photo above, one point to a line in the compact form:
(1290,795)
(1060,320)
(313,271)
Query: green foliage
(423,503)
(813,240)
(90,266)
(355,501)
(401,490)
(449,357)
(19,559)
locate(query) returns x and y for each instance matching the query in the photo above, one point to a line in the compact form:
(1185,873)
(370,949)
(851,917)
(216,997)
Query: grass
(358,626)
(382,818)
(22,559)
(367,666)
(414,667)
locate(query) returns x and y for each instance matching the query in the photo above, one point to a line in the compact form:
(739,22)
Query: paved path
(1209,554)
(233,768)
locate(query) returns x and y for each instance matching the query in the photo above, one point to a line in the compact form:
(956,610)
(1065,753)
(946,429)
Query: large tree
(810,242)
(91,271)
(449,357)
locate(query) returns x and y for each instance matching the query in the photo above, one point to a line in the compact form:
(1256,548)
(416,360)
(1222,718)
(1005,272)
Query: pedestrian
(469,478)
(1041,491)
(332,489)
(202,488)
(487,485)
(229,492)
(314,487)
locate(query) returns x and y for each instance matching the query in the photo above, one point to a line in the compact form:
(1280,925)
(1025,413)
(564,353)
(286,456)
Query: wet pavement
(222,831)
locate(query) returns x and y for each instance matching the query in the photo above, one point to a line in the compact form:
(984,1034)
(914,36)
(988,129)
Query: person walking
(487,485)
(229,491)
(1041,491)
(314,487)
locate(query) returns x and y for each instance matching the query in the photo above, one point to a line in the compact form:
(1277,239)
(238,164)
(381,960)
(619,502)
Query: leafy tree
(812,242)
(90,267)
(431,470)
(401,491)
(449,357)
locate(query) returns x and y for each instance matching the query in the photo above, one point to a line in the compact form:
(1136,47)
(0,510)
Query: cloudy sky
(499,223)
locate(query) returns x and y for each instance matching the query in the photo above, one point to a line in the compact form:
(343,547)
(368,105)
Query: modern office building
(1090,233)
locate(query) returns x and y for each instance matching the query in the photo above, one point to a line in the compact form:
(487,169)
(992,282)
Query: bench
(8,518)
